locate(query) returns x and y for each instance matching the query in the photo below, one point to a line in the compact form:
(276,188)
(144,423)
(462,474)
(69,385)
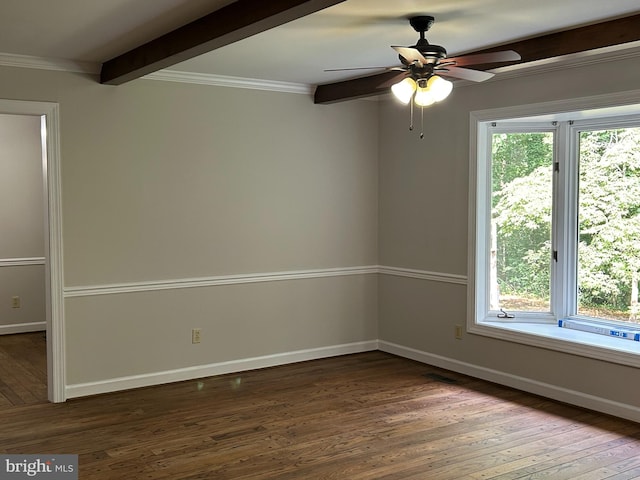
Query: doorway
(47,113)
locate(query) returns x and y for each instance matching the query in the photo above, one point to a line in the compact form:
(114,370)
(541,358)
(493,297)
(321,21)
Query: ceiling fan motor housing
(433,53)
(430,52)
(421,23)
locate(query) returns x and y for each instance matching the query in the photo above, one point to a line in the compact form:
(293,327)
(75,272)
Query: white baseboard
(23,328)
(555,392)
(201,371)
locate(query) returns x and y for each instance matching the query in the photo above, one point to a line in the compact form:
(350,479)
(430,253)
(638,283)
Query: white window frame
(540,329)
(487,130)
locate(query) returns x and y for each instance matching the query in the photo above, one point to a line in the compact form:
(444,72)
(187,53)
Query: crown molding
(63,65)
(42,63)
(228,81)
(628,51)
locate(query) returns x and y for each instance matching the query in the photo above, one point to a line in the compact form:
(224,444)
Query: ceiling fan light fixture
(404,90)
(424,97)
(439,87)
(423,60)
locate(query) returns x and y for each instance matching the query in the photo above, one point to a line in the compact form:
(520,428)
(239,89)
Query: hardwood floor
(364,416)
(23,369)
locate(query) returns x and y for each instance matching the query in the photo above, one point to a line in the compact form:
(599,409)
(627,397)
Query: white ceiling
(355,33)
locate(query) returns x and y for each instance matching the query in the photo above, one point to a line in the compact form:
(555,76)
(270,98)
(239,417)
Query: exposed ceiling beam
(355,88)
(236,21)
(581,39)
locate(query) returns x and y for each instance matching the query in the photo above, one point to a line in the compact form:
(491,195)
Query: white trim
(201,371)
(552,337)
(21,262)
(23,328)
(555,392)
(54,268)
(42,63)
(424,275)
(237,279)
(84,291)
(50,119)
(228,81)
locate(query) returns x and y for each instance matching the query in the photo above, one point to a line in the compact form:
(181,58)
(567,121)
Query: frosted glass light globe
(403,90)
(439,87)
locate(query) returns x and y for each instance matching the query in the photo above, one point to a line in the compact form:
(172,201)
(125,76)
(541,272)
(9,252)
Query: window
(555,236)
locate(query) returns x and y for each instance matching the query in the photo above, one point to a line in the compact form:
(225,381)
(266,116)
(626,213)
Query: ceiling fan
(424,65)
(424,59)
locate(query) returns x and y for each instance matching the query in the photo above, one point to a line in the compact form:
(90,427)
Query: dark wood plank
(365,416)
(605,34)
(236,21)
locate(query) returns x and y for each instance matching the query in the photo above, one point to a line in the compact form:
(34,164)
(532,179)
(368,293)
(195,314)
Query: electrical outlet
(458,332)
(15,302)
(195,335)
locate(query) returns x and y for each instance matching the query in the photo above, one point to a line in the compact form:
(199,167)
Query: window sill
(552,337)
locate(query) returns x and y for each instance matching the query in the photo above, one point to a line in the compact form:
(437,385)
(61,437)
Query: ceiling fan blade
(464,73)
(392,80)
(492,57)
(411,55)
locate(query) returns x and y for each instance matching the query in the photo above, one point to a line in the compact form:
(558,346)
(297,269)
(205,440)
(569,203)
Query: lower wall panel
(144,335)
(27,282)
(234,366)
(555,392)
(419,317)
(128,340)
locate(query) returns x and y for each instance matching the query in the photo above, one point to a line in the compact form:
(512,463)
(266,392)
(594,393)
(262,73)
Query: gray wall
(167,182)
(423,225)
(21,223)
(164,182)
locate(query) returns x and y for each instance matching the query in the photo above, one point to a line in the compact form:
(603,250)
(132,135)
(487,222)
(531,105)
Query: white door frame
(48,112)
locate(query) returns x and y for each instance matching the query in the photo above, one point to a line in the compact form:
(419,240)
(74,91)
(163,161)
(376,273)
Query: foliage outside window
(608,243)
(609,223)
(522,193)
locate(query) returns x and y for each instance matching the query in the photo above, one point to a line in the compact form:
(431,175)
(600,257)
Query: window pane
(522,193)
(609,224)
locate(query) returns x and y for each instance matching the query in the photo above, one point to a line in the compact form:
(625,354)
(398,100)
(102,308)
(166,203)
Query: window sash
(485,217)
(574,131)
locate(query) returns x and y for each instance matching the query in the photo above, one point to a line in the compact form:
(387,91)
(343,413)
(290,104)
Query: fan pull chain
(421,122)
(411,123)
